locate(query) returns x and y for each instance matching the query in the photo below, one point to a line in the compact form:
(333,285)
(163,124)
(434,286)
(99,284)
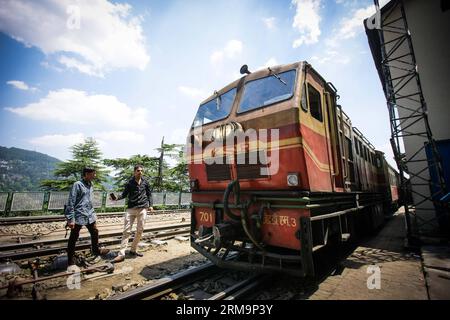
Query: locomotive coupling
(227,231)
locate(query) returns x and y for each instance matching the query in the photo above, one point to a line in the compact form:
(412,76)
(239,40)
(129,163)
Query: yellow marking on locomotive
(289,143)
(206,216)
(322,166)
(278,220)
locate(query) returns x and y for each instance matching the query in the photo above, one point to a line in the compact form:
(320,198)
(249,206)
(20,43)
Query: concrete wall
(430,33)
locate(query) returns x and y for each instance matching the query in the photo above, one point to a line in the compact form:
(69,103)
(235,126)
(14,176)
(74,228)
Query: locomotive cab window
(315,103)
(266,91)
(215,109)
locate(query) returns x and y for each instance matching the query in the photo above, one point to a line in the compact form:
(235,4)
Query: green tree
(163,177)
(175,178)
(86,154)
(124,168)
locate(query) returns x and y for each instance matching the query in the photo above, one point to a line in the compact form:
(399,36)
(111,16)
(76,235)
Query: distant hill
(22,170)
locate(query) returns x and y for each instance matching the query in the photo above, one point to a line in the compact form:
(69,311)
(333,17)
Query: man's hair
(138,166)
(88,170)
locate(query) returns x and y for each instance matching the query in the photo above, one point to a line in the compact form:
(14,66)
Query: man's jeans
(138,214)
(75,233)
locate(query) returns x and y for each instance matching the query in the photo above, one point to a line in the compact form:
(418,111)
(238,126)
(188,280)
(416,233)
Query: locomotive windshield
(262,92)
(215,109)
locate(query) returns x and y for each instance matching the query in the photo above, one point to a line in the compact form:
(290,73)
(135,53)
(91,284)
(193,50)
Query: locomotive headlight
(292,179)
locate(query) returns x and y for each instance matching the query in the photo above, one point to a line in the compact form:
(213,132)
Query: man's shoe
(136,254)
(103,251)
(95,259)
(118,259)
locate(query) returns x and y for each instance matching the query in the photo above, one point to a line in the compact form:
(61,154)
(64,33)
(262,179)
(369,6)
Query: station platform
(381,268)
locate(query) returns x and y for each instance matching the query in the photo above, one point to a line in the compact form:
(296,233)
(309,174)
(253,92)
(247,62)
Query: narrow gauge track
(31,249)
(60,232)
(188,283)
(59,217)
(249,287)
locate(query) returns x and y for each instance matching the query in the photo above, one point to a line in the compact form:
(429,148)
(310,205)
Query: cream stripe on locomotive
(284,144)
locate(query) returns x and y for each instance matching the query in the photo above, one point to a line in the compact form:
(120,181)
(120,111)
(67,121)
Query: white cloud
(331,55)
(269,63)
(306,21)
(108,37)
(355,3)
(57,140)
(193,92)
(72,63)
(231,50)
(78,107)
(269,22)
(350,27)
(120,136)
(20,85)
(120,143)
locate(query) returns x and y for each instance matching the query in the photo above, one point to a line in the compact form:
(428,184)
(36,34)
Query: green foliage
(23,170)
(176,178)
(86,154)
(124,168)
(173,178)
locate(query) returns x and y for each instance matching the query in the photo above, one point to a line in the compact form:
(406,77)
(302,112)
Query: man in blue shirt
(80,212)
(139,196)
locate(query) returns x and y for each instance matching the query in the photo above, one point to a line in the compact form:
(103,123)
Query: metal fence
(3,200)
(42,201)
(28,201)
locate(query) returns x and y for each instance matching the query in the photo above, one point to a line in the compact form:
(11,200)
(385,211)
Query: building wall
(430,31)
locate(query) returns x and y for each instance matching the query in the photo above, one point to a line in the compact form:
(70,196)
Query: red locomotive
(277,172)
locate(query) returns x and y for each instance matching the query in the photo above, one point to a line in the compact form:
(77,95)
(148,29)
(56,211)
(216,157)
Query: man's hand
(71,224)
(150,209)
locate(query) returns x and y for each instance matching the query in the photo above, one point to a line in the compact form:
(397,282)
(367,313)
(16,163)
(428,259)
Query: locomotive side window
(361,150)
(315,103)
(266,91)
(348,143)
(378,161)
(215,109)
(356,147)
(304,102)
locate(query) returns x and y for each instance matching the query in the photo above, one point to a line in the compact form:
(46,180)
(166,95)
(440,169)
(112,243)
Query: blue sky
(129,72)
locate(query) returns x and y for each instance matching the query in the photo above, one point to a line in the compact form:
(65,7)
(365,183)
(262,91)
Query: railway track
(60,218)
(18,251)
(199,283)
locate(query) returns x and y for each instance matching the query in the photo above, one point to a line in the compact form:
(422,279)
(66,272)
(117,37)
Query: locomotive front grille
(218,172)
(249,170)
